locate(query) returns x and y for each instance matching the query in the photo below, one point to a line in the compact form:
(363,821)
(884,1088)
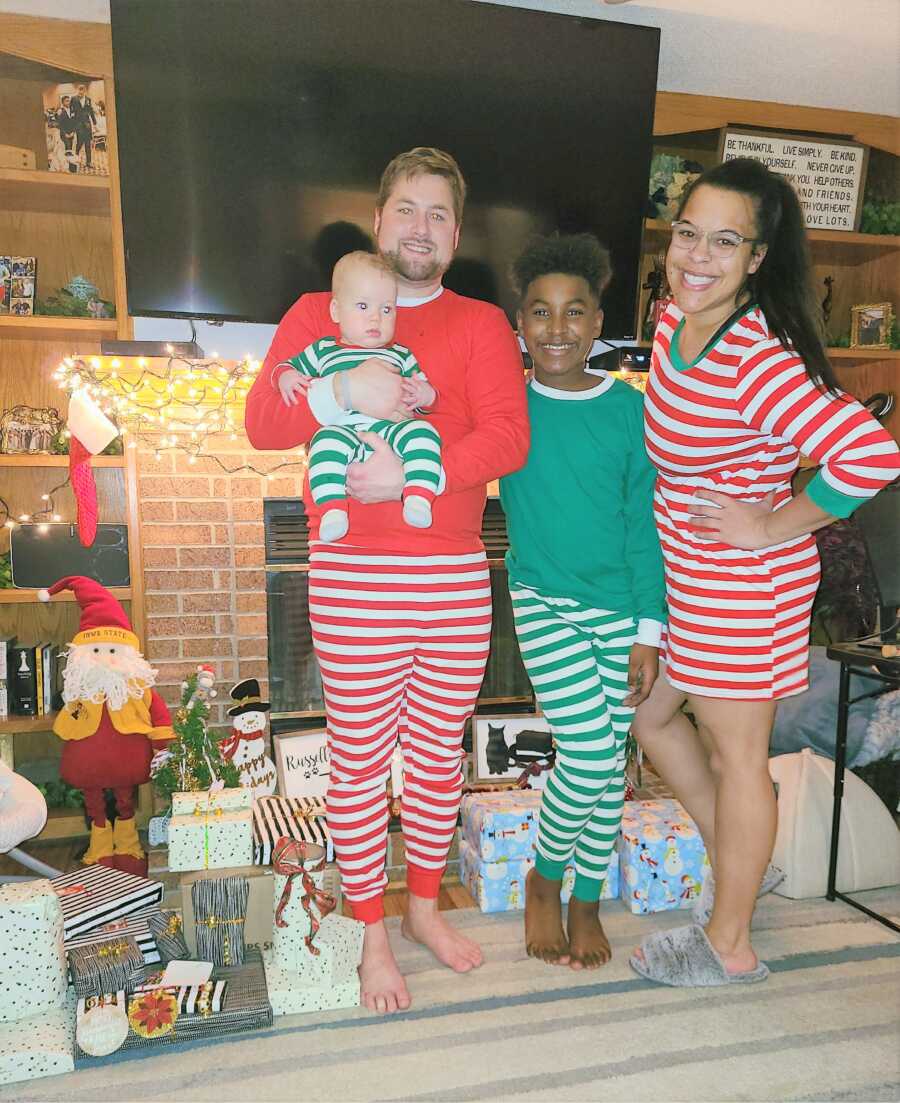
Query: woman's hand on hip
(727,520)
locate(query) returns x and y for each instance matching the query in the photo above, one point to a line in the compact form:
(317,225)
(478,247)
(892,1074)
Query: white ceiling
(820,53)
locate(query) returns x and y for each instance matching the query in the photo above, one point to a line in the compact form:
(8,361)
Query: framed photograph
(5,280)
(828,176)
(303,763)
(23,266)
(870,326)
(76,127)
(503,746)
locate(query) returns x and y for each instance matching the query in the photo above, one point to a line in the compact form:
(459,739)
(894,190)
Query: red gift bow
(289,858)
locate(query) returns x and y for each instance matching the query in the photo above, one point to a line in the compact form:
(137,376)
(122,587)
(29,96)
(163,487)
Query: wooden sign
(828,176)
(304,767)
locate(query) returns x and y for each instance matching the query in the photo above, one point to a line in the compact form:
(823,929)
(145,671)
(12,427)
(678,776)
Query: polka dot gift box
(33,974)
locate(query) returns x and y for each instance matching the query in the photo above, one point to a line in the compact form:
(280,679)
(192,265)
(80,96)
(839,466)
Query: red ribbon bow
(289,858)
(533,769)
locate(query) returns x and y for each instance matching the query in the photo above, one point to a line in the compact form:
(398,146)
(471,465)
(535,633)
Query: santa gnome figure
(112,722)
(246,746)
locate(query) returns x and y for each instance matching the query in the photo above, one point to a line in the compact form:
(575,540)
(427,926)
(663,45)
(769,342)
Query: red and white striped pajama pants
(402,642)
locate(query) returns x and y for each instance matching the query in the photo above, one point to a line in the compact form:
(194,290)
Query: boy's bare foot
(588,943)
(544,937)
(382,987)
(423,923)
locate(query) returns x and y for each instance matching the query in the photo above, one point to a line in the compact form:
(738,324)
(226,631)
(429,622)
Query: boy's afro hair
(570,254)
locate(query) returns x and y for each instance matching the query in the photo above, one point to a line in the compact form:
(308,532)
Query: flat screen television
(252,134)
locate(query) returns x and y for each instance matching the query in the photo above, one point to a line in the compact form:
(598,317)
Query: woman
(739,387)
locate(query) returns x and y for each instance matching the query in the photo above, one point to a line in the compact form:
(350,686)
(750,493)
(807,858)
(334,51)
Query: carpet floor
(825,1026)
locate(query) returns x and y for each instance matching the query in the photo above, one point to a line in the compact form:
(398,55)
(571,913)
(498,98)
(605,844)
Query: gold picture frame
(870,326)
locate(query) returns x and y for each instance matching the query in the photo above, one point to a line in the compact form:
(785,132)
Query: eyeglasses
(722,243)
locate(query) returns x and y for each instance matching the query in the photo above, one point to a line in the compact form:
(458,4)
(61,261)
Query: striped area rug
(825,1026)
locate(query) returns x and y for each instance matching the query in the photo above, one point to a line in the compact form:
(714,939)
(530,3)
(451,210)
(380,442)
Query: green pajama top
(580,512)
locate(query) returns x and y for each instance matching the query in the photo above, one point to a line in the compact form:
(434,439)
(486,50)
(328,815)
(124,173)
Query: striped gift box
(94,896)
(194,999)
(102,967)
(134,926)
(245,1006)
(300,818)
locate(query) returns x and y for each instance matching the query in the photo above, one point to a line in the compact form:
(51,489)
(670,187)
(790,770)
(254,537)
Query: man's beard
(416,270)
(87,678)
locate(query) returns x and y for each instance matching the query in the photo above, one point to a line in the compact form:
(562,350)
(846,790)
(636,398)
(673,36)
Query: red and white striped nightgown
(736,421)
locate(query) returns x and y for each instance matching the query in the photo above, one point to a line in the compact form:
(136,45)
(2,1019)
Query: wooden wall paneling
(22,118)
(35,621)
(77,46)
(679,113)
(65,245)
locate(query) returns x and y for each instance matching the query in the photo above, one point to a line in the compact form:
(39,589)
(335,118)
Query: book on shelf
(5,643)
(33,683)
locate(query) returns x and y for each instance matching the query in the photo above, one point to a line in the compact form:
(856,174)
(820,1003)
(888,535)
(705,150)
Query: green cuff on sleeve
(831,500)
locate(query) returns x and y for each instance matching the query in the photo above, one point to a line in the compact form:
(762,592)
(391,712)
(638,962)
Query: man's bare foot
(382,987)
(423,923)
(544,937)
(588,943)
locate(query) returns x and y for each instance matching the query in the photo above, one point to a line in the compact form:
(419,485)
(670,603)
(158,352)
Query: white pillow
(869,852)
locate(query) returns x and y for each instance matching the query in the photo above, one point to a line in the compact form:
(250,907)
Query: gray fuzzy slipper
(703,906)
(685,958)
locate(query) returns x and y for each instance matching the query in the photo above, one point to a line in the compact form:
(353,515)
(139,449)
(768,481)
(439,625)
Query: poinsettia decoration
(153,1014)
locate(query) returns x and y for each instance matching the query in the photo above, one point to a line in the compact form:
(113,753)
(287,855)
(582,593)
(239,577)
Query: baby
(364,305)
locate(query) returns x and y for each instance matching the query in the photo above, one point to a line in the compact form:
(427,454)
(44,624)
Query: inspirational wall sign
(828,176)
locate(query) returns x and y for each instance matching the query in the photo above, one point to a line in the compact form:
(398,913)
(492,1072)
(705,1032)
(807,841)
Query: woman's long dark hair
(782,285)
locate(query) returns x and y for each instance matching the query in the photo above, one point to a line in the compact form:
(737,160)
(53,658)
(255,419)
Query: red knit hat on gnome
(103,620)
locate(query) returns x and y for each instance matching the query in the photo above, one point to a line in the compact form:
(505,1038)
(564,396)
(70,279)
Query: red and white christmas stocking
(91,431)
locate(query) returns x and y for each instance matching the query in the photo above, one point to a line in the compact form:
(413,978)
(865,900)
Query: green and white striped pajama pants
(334,447)
(577,660)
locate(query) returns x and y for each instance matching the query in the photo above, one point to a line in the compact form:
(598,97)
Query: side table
(864,663)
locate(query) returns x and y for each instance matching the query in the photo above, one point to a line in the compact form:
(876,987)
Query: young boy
(586,581)
(364,305)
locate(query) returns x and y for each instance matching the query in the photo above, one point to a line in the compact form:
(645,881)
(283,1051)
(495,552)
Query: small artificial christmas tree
(193,762)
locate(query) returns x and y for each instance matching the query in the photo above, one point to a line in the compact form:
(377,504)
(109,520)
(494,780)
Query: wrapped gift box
(258,921)
(245,1006)
(134,926)
(196,803)
(96,895)
(662,858)
(211,840)
(500,886)
(33,977)
(40,1046)
(338,940)
(106,966)
(290,994)
(501,825)
(300,818)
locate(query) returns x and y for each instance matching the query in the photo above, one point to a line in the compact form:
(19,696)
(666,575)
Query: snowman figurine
(246,746)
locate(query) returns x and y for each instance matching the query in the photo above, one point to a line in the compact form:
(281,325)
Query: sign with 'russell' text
(828,176)
(304,767)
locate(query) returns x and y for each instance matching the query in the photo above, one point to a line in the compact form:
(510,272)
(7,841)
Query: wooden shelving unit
(20,725)
(23,597)
(72,224)
(37,460)
(53,192)
(49,328)
(863,354)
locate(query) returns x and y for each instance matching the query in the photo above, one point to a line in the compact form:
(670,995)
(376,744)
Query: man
(84,120)
(401,617)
